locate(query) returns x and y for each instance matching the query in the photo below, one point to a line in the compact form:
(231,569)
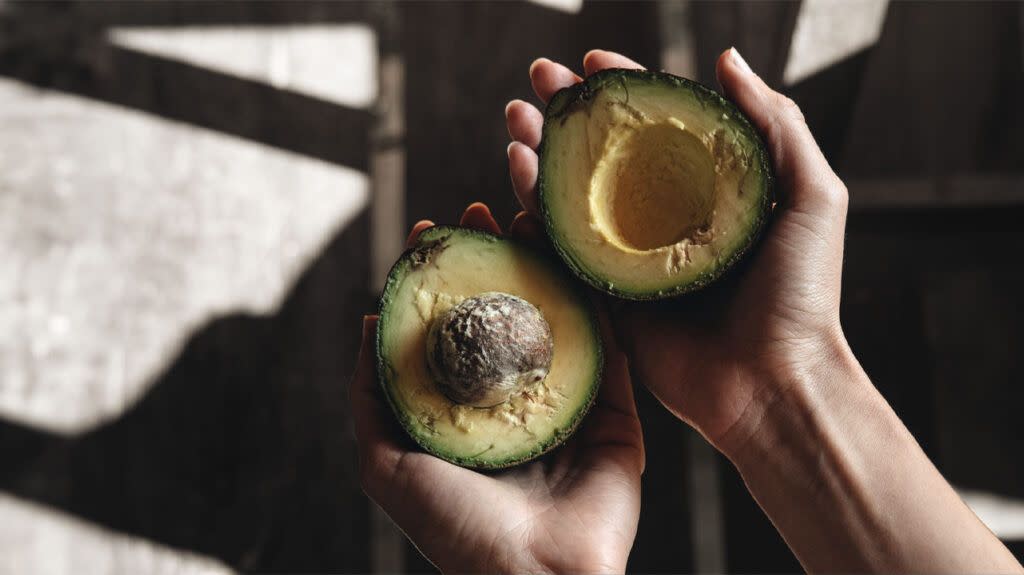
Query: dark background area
(241,449)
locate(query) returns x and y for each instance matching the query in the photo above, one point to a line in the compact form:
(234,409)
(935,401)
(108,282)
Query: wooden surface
(239,447)
(241,450)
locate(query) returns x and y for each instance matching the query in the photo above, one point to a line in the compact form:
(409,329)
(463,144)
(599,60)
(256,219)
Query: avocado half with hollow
(651,185)
(488,352)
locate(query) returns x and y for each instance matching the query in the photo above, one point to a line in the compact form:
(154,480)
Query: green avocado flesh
(651,185)
(449,266)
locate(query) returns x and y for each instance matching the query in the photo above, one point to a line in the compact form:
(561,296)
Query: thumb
(808,181)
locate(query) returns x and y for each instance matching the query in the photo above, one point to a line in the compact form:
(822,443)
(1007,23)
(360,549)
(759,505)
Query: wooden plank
(974,314)
(241,447)
(457,90)
(664,542)
(707,516)
(977,190)
(761,31)
(831,31)
(94,15)
(678,45)
(940,94)
(827,100)
(387,542)
(236,106)
(931,309)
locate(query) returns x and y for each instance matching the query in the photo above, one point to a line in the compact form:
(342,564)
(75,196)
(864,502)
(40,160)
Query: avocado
(488,351)
(650,185)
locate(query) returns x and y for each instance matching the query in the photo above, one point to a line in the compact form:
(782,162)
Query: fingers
(617,391)
(799,163)
(522,166)
(524,123)
(597,60)
(414,234)
(374,439)
(615,420)
(528,228)
(478,216)
(548,77)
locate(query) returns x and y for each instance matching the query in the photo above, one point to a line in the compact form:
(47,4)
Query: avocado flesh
(447,266)
(651,185)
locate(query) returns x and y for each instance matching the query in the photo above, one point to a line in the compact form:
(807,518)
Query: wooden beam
(955,191)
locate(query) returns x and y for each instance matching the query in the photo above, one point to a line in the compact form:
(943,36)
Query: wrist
(800,397)
(535,565)
(846,484)
(598,559)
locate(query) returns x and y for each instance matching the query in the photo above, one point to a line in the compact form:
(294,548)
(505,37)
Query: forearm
(848,486)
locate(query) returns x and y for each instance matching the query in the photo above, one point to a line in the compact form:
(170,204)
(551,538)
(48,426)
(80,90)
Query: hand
(707,356)
(760,366)
(574,510)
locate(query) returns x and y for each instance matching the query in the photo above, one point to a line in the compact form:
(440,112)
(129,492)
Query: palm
(758,316)
(563,513)
(575,509)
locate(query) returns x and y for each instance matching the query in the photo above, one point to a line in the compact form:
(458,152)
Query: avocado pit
(489,348)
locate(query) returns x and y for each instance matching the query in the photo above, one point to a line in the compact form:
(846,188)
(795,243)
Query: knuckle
(842,190)
(790,109)
(835,193)
(784,108)
(839,191)
(785,121)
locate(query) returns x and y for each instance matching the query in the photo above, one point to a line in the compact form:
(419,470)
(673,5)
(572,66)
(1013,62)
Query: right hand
(573,511)
(720,360)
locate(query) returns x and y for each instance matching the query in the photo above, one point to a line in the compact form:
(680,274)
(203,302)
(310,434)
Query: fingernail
(508,150)
(369,327)
(739,61)
(509,107)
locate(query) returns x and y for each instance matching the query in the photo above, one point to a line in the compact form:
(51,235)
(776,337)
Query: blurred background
(199,200)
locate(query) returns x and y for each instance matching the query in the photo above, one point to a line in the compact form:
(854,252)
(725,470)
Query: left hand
(573,510)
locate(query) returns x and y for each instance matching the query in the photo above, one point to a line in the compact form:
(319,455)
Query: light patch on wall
(1003,515)
(568,6)
(828,31)
(336,63)
(37,539)
(678,42)
(121,233)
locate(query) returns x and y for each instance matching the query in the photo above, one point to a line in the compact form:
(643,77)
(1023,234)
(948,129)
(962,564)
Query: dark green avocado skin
(428,240)
(567,100)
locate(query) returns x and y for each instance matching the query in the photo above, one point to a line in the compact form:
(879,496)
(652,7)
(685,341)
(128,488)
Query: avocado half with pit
(651,185)
(488,351)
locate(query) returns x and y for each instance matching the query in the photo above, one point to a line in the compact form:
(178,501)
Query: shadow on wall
(241,449)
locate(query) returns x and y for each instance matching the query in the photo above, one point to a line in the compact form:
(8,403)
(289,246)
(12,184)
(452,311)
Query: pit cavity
(654,189)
